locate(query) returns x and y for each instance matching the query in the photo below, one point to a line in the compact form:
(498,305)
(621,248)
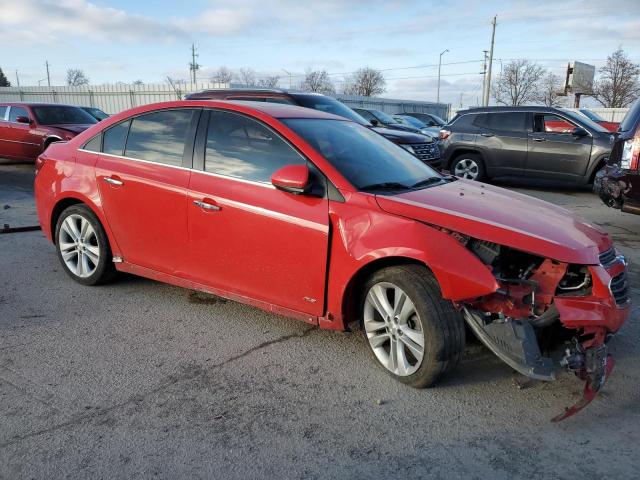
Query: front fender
(364,234)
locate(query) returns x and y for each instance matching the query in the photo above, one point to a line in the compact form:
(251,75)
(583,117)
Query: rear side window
(502,122)
(94,144)
(16,112)
(241,147)
(3,110)
(115,137)
(159,136)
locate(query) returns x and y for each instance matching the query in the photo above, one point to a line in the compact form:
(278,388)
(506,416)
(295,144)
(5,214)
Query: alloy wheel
(393,329)
(466,168)
(79,246)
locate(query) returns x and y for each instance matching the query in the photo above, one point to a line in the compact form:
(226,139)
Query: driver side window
(551,124)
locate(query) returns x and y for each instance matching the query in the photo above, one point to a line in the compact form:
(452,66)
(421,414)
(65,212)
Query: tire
(82,246)
(433,319)
(469,166)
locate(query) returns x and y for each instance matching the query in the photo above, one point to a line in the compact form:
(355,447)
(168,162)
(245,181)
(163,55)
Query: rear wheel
(82,246)
(414,334)
(469,166)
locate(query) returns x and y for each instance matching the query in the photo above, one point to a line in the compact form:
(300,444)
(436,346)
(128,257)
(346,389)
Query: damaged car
(618,184)
(316,217)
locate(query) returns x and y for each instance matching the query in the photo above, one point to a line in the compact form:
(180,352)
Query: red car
(316,217)
(27,129)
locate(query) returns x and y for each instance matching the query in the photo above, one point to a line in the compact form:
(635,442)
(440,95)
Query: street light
(439,65)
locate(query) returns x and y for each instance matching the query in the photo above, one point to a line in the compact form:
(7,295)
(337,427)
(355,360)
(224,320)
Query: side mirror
(23,119)
(292,178)
(375,122)
(579,132)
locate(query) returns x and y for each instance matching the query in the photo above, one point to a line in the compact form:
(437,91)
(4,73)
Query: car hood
(74,128)
(504,217)
(399,136)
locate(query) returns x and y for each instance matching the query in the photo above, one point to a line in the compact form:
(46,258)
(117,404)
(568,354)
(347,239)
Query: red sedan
(27,129)
(316,217)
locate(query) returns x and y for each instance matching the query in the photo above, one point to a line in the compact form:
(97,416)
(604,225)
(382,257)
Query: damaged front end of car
(548,316)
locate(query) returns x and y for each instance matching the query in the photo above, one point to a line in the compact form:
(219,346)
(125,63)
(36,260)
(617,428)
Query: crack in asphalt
(172,380)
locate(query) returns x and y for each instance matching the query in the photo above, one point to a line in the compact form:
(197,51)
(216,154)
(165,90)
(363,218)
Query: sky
(124,41)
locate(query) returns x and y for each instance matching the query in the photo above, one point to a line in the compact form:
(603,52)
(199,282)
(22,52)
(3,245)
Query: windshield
(631,117)
(438,120)
(581,119)
(57,115)
(329,105)
(414,122)
(362,156)
(591,115)
(95,112)
(384,118)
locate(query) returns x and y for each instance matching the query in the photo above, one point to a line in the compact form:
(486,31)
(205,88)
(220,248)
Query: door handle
(538,139)
(206,206)
(113,181)
(487,134)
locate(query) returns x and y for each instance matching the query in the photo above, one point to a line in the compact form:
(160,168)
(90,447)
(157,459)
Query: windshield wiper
(426,182)
(385,186)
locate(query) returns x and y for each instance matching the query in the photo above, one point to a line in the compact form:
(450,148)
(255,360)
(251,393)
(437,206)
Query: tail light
(631,153)
(444,134)
(39,163)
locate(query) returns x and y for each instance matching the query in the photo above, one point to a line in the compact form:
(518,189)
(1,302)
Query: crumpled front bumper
(618,188)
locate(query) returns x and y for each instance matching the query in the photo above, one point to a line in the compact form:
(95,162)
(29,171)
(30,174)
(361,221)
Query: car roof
(509,109)
(279,110)
(36,104)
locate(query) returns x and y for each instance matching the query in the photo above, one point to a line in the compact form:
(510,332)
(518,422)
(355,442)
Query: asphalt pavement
(138,379)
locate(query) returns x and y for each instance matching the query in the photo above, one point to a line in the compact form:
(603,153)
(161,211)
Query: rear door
(143,174)
(245,236)
(554,152)
(502,137)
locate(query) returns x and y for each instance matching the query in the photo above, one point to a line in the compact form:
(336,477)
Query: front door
(245,236)
(554,152)
(24,143)
(143,177)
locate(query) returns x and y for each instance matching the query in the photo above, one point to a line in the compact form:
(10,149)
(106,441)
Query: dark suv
(542,144)
(422,146)
(619,183)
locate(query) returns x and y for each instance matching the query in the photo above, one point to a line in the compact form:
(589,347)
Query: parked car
(415,123)
(591,115)
(377,117)
(319,218)
(619,183)
(423,147)
(95,113)
(527,143)
(429,119)
(27,129)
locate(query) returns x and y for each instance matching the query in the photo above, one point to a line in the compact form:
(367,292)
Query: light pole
(439,65)
(288,73)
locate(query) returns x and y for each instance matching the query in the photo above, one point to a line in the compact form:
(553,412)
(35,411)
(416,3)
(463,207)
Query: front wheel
(412,332)
(469,166)
(83,247)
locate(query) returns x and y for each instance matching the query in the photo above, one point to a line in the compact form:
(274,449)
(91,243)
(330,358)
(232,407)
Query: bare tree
(223,75)
(367,82)
(76,77)
(549,91)
(247,77)
(138,82)
(317,81)
(519,83)
(269,82)
(618,84)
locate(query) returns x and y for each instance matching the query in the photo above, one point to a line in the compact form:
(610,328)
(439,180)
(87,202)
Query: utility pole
(193,66)
(488,82)
(484,74)
(17,79)
(48,77)
(288,73)
(439,65)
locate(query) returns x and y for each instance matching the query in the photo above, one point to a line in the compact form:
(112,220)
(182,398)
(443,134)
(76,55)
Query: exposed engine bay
(541,320)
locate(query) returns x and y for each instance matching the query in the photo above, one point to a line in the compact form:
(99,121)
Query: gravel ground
(139,379)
